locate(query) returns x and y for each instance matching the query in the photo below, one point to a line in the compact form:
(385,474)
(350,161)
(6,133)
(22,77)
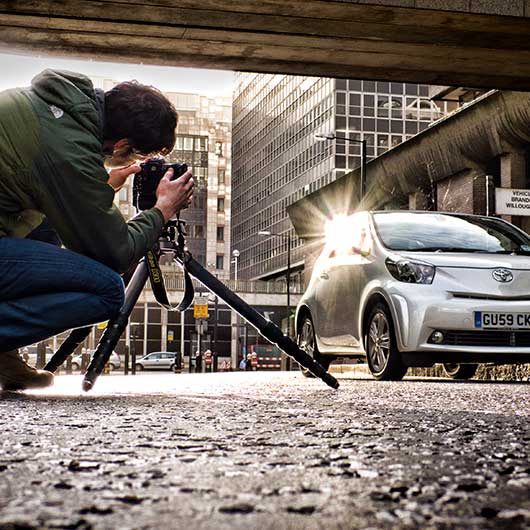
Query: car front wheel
(307,342)
(139,367)
(460,371)
(384,359)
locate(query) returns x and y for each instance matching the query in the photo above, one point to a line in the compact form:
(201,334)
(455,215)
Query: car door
(151,361)
(166,361)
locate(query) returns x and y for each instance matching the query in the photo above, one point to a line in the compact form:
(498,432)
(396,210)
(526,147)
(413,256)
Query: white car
(114,361)
(418,288)
(160,360)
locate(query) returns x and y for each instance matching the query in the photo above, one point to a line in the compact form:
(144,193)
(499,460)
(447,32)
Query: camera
(146,181)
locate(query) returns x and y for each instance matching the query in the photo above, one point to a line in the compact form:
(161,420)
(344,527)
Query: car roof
(436,212)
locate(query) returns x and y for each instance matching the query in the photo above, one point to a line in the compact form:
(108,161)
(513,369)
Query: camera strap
(159,289)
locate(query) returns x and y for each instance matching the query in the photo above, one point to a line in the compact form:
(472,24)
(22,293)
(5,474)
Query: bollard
(41,355)
(126,361)
(85,360)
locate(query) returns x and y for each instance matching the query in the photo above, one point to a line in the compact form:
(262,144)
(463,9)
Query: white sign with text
(512,202)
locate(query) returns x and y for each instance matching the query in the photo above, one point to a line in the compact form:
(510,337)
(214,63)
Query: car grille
(487,338)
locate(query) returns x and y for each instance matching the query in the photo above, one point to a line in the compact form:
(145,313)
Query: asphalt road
(265,451)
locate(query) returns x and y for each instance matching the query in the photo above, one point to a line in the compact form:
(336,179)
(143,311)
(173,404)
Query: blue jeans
(45,290)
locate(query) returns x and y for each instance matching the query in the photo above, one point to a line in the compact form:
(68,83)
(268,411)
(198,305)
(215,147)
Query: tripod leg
(76,337)
(268,329)
(116,326)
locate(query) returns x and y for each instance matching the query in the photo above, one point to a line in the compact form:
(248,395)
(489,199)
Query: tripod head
(173,238)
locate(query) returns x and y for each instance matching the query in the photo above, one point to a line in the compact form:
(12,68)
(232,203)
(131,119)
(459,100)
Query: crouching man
(58,140)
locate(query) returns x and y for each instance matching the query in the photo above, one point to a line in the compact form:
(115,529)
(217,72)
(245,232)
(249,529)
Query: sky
(18,70)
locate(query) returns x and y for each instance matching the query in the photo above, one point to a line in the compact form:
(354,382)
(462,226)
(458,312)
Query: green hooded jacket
(51,165)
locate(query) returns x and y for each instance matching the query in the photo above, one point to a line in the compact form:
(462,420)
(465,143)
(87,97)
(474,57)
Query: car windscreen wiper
(444,249)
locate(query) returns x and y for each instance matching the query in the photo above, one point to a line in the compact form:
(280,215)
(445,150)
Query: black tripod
(148,267)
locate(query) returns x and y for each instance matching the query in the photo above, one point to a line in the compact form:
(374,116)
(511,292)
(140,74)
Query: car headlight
(409,271)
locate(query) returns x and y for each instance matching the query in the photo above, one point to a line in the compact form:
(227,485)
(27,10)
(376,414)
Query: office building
(277,160)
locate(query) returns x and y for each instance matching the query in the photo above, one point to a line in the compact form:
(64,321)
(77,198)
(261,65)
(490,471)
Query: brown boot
(15,374)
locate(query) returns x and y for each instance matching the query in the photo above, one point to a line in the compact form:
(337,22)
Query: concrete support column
(464,192)
(234,323)
(146,320)
(419,201)
(513,175)
(163,331)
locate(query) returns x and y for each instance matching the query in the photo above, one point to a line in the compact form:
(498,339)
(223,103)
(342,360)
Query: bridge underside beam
(307,37)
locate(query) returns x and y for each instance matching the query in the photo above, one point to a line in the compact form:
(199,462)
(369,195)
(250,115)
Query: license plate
(493,320)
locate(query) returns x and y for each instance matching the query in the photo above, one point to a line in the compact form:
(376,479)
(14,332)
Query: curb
(349,369)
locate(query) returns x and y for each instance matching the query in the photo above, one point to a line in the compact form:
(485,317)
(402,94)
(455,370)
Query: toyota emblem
(503,275)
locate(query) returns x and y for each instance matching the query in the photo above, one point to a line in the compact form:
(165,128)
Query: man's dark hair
(143,115)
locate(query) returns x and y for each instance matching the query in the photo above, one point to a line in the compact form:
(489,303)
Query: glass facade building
(276,159)
(203,143)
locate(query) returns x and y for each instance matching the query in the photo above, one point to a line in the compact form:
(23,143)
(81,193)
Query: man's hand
(119,175)
(174,195)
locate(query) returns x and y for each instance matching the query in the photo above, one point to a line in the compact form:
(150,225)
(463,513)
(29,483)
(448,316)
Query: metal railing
(174,281)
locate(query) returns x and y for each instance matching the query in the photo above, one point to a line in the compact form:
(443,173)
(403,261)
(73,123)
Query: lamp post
(236,254)
(333,136)
(287,274)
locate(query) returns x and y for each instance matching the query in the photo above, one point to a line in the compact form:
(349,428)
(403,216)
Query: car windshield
(418,232)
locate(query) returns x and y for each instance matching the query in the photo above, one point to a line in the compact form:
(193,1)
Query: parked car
(114,361)
(418,288)
(159,360)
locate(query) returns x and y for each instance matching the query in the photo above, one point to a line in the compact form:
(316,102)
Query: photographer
(57,139)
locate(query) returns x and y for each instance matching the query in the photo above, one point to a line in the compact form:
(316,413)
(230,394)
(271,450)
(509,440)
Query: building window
(220,204)
(221,176)
(198,231)
(220,233)
(219,261)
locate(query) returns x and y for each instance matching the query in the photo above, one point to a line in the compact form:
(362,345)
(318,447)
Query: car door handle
(324,275)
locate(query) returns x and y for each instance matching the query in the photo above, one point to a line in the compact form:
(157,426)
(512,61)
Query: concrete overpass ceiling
(403,41)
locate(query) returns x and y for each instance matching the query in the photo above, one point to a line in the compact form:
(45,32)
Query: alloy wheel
(379,341)
(307,338)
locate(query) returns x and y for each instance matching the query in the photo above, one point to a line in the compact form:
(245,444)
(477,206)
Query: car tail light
(409,271)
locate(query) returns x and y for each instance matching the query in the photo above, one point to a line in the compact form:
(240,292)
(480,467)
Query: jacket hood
(72,93)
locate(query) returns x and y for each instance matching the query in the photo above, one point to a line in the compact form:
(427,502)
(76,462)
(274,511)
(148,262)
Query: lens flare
(347,235)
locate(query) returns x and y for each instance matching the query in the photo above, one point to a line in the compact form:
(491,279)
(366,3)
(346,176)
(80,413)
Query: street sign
(200,310)
(512,202)
(170,336)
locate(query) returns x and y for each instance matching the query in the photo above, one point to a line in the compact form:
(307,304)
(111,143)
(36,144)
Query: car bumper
(417,316)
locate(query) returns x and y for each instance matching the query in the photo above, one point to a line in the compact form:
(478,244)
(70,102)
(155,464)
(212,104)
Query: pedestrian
(243,363)
(208,360)
(65,149)
(248,362)
(254,361)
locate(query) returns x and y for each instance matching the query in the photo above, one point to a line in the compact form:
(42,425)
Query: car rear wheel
(460,371)
(306,341)
(384,359)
